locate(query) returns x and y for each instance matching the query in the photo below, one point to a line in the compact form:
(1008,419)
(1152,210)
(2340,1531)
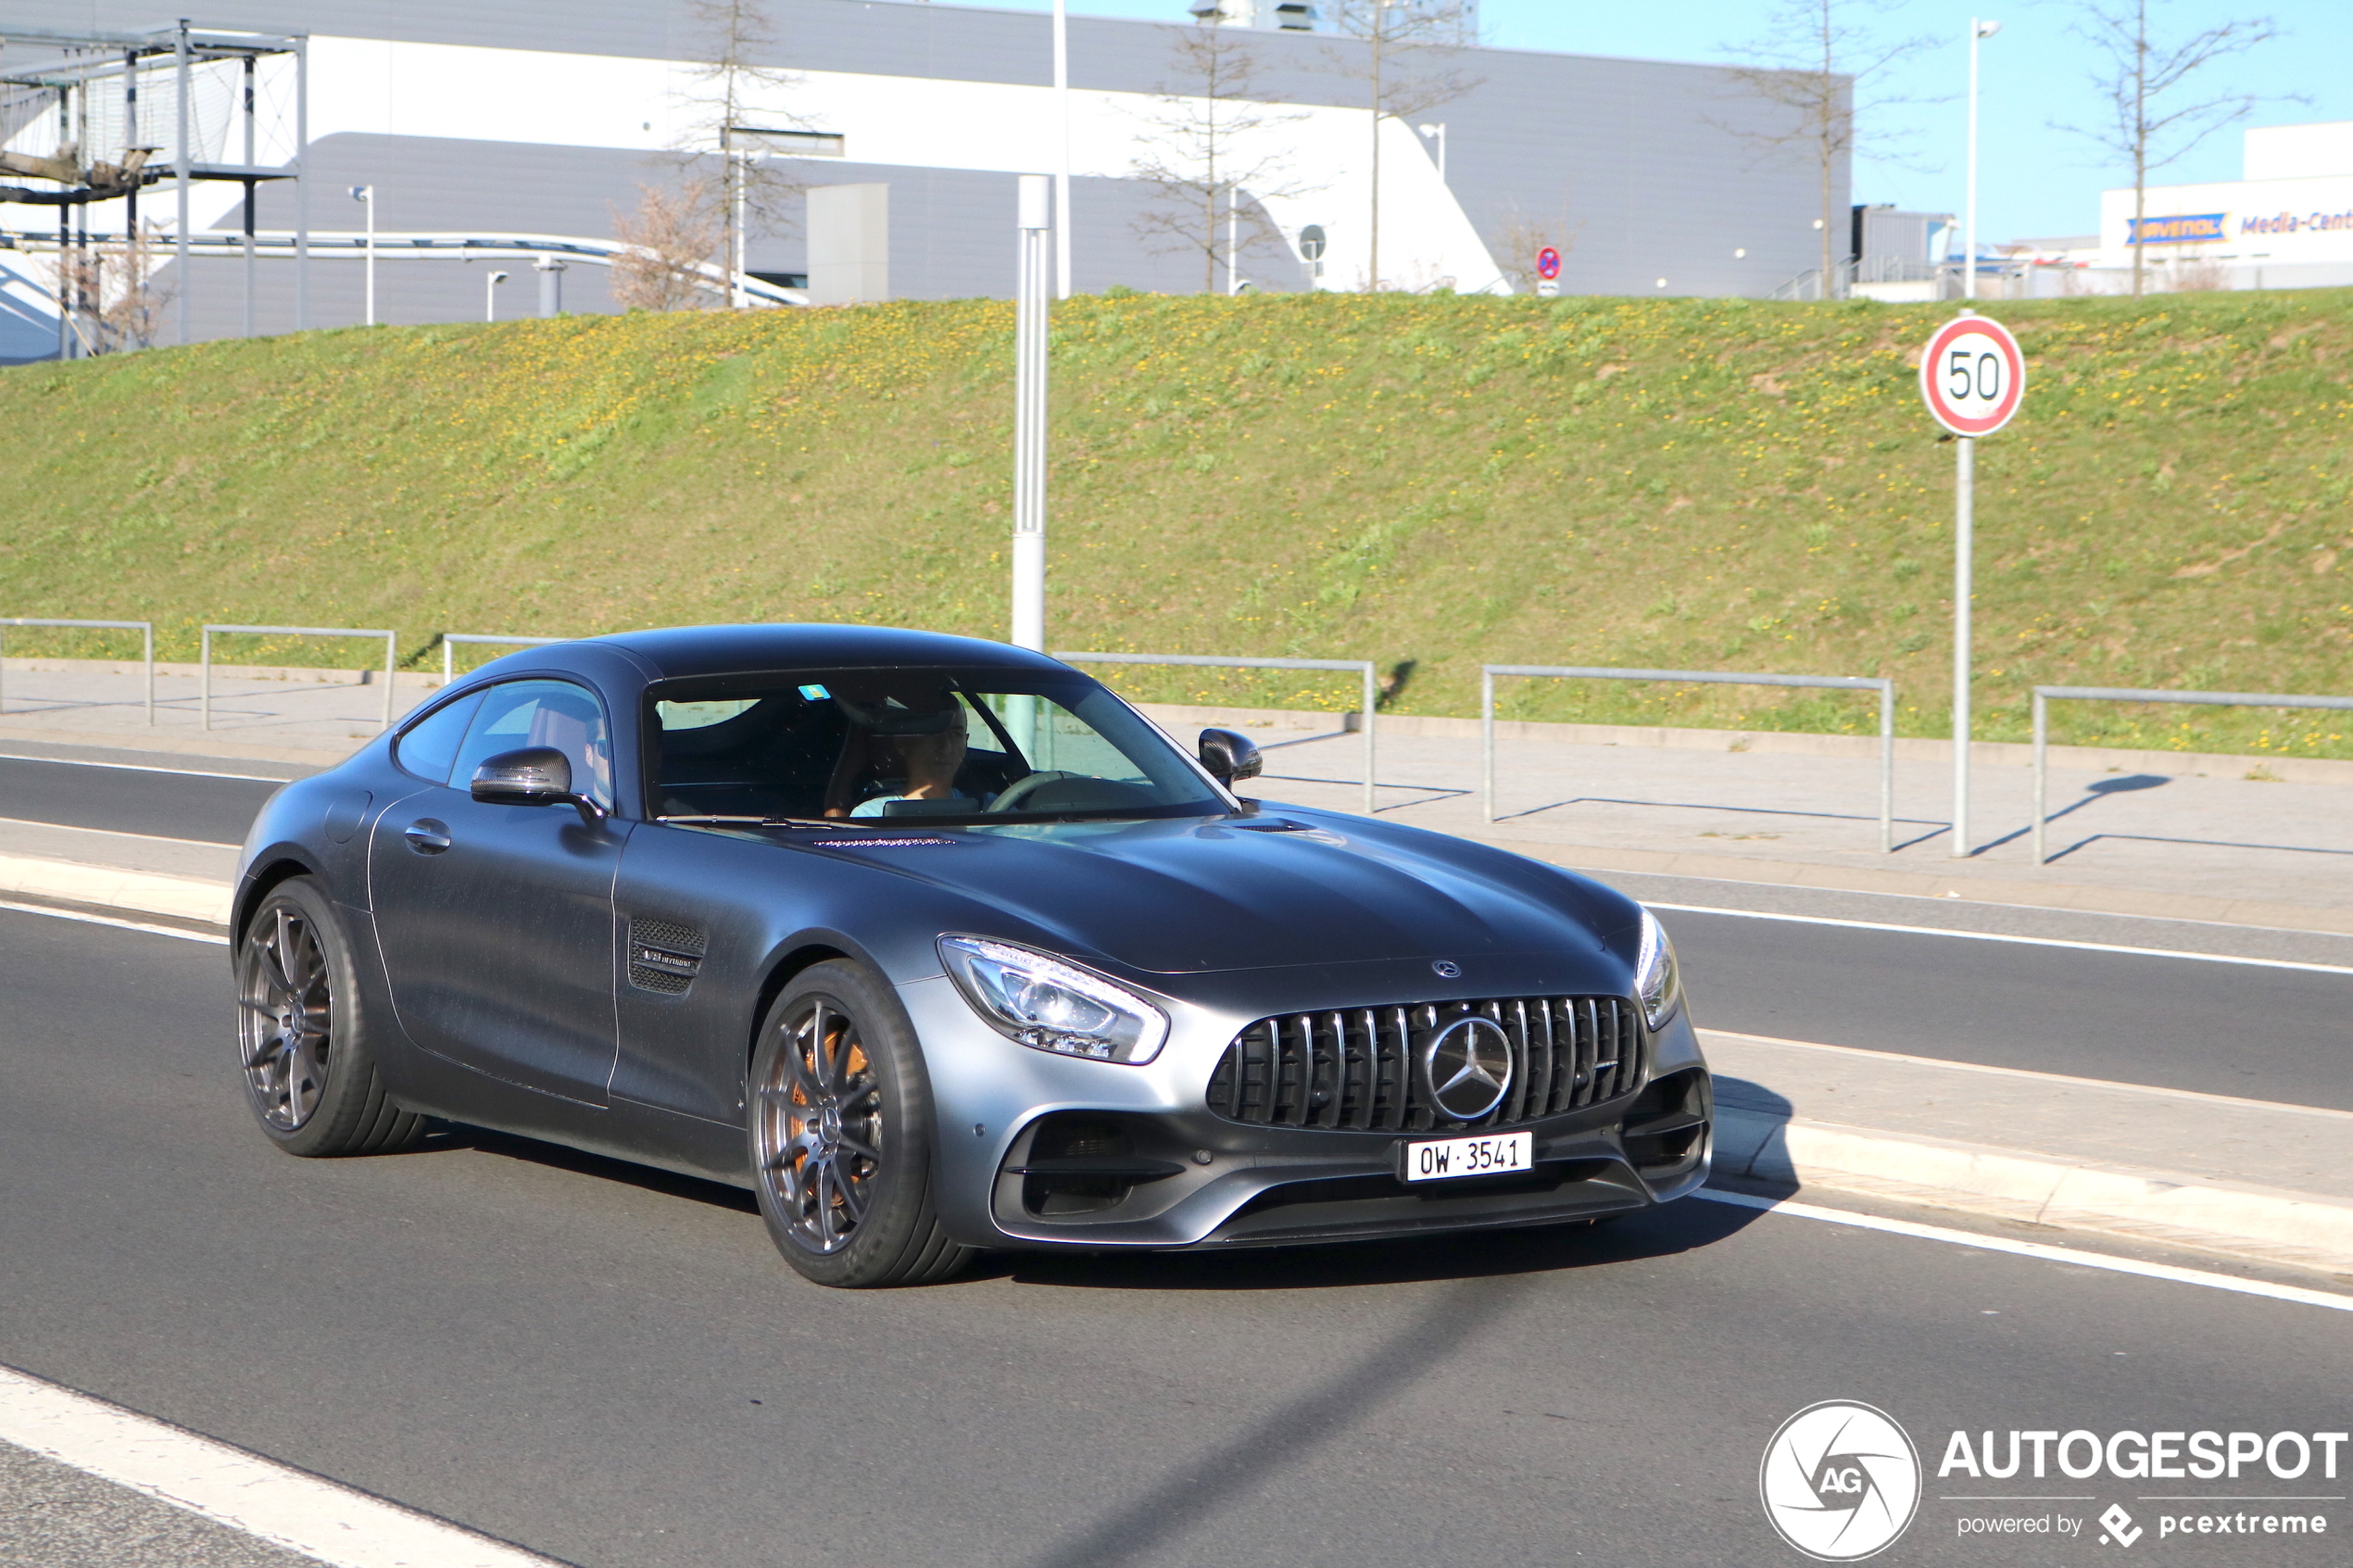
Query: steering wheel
(1021,789)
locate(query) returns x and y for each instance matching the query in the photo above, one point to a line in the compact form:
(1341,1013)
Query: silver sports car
(938,945)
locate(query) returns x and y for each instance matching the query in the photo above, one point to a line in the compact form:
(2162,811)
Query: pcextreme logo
(1840,1481)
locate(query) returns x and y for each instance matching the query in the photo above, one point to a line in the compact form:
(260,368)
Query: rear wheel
(841,1134)
(309,1068)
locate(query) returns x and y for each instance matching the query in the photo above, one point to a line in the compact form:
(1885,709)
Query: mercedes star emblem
(1467,1066)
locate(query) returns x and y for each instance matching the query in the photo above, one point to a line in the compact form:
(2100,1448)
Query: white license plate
(1442,1160)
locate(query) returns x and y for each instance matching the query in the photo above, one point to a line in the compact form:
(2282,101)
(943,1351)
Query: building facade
(532,128)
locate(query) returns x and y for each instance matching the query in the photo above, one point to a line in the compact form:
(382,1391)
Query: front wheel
(309,1067)
(840,1129)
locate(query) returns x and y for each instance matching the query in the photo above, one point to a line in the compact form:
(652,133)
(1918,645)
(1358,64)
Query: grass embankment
(1433,483)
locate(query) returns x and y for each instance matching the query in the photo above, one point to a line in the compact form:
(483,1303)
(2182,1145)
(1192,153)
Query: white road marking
(88,919)
(116,833)
(2021,941)
(274,1502)
(2043,1250)
(139,768)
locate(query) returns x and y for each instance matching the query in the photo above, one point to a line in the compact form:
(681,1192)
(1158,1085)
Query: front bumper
(1004,1111)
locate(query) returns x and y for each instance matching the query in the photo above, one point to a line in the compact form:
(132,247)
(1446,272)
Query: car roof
(679,652)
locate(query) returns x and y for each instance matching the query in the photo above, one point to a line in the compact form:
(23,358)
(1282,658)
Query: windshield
(876,746)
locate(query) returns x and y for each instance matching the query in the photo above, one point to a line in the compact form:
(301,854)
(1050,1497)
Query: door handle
(426,836)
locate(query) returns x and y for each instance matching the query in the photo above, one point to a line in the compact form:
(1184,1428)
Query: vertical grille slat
(1353,1070)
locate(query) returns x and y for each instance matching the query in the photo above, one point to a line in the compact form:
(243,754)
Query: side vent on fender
(664,955)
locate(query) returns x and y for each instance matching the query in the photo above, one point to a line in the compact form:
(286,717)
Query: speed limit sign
(1972,376)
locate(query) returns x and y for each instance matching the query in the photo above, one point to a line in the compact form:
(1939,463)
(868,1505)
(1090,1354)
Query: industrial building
(517,139)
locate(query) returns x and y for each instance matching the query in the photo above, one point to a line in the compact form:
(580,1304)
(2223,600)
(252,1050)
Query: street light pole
(1978,31)
(366,196)
(1035,221)
(490,296)
(1062,174)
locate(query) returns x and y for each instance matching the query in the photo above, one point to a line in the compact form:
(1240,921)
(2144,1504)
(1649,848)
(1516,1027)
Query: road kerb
(2263,1224)
(114,887)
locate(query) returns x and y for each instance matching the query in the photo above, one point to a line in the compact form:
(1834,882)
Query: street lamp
(1978,31)
(1437,133)
(366,196)
(489,295)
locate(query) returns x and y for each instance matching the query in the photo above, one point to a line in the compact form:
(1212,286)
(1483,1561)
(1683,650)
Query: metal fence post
(2041,767)
(2125,694)
(1372,701)
(1486,738)
(449,640)
(1581,672)
(1887,767)
(204,677)
(392,649)
(146,629)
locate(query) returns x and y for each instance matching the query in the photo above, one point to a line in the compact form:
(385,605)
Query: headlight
(1656,980)
(1050,1005)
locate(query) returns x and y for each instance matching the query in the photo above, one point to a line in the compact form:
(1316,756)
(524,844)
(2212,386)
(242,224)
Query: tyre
(841,1134)
(308,1063)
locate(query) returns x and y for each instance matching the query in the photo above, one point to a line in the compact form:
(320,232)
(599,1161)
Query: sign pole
(1035,221)
(1964,549)
(1972,377)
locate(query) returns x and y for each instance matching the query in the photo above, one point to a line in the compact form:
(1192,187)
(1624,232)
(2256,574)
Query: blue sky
(2033,181)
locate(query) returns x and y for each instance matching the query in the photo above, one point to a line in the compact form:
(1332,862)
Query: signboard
(1972,376)
(2183,229)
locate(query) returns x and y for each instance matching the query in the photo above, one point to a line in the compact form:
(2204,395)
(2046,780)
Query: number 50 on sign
(1972,376)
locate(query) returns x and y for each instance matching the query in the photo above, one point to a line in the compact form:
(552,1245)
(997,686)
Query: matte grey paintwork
(529,1025)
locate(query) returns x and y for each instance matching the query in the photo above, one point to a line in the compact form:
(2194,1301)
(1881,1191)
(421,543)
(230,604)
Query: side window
(432,744)
(552,713)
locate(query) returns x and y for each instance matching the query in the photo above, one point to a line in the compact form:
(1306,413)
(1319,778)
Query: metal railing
(1363,666)
(204,660)
(2044,695)
(146,629)
(449,639)
(1886,689)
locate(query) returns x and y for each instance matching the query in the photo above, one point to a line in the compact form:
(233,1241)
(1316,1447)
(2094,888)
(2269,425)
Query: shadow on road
(1657,1232)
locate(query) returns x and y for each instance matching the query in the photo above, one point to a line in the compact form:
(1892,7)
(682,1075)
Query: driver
(930,744)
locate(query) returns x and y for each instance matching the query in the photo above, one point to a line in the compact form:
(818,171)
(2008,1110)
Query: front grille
(1355,1070)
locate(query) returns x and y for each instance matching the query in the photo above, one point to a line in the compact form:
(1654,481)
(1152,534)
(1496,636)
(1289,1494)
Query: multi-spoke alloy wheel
(821,1128)
(840,1134)
(303,1041)
(286,1016)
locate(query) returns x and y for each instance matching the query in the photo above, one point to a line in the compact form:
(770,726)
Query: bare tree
(1408,66)
(2141,79)
(670,238)
(1816,63)
(1197,150)
(110,294)
(1520,235)
(728,87)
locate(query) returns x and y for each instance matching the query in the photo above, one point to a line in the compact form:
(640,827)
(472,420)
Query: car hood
(1293,888)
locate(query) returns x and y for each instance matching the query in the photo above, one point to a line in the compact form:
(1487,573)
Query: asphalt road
(2215,1028)
(612,1366)
(2179,1024)
(167,805)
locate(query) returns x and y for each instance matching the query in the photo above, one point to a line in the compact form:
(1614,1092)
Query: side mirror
(1229,758)
(535,775)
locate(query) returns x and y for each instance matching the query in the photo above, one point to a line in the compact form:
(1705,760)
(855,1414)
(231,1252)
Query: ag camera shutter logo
(1840,1481)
